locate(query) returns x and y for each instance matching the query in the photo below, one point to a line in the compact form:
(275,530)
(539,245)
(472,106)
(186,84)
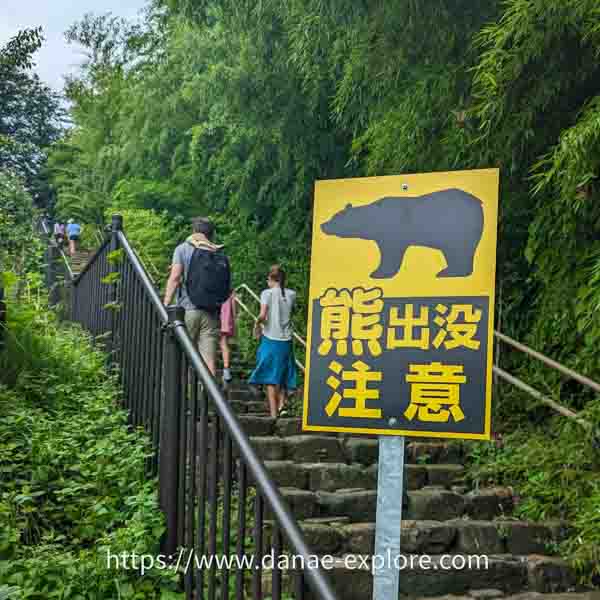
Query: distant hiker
(59,233)
(73,233)
(227,331)
(275,366)
(201,274)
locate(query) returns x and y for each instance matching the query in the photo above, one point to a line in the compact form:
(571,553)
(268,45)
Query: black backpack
(208,279)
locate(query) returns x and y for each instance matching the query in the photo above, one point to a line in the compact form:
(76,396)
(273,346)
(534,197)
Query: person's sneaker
(227,376)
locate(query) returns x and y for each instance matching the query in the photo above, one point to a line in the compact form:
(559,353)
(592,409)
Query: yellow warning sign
(402,304)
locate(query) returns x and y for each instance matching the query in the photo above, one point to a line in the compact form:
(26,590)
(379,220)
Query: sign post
(400,324)
(388,527)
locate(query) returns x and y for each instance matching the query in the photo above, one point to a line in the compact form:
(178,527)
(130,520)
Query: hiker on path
(275,366)
(73,233)
(227,331)
(201,275)
(59,233)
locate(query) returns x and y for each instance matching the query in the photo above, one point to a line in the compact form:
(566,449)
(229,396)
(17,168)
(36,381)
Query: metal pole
(49,257)
(566,412)
(316,580)
(548,361)
(499,326)
(52,257)
(116,226)
(386,573)
(2,316)
(169,435)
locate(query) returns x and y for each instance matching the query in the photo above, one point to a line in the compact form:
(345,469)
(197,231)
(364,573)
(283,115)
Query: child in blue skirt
(275,366)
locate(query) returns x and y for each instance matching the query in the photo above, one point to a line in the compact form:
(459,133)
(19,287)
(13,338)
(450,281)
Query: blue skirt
(275,364)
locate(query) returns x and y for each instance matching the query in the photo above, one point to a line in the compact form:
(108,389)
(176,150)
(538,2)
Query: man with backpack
(201,275)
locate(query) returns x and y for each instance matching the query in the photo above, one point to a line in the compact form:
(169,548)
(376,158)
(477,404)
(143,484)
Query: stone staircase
(79,260)
(330,484)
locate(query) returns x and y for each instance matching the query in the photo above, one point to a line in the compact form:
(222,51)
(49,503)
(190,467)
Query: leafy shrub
(72,475)
(152,235)
(554,471)
(19,246)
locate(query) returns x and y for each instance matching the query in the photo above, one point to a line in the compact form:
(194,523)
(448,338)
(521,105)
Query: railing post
(115,340)
(49,257)
(169,468)
(2,316)
(52,255)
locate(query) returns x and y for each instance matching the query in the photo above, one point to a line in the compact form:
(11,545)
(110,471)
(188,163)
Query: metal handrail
(263,481)
(144,276)
(98,234)
(548,361)
(90,261)
(259,472)
(518,383)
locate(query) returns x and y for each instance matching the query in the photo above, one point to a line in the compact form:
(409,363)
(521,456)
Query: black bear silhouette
(449,220)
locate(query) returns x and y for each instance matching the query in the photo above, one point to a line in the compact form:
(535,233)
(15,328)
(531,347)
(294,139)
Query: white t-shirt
(278,325)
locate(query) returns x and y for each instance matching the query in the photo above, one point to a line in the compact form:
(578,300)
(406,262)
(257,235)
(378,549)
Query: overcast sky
(56,58)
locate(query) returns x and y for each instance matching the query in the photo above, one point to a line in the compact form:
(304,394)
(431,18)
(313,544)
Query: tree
(30,113)
(238,107)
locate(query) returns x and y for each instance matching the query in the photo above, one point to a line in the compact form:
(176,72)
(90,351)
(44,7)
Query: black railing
(58,273)
(2,316)
(216,493)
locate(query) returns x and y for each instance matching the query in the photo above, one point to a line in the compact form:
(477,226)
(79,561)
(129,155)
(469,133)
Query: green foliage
(6,592)
(555,475)
(29,113)
(20,248)
(535,85)
(17,53)
(151,234)
(72,475)
(233,109)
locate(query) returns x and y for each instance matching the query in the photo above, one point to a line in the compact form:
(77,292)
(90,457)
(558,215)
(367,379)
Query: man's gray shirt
(183,256)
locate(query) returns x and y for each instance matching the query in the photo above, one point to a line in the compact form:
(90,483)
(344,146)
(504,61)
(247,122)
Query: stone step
(427,504)
(258,409)
(491,594)
(352,504)
(300,448)
(288,426)
(310,447)
(428,576)
(239,374)
(366,451)
(329,477)
(255,425)
(431,503)
(242,391)
(458,536)
(240,407)
(256,406)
